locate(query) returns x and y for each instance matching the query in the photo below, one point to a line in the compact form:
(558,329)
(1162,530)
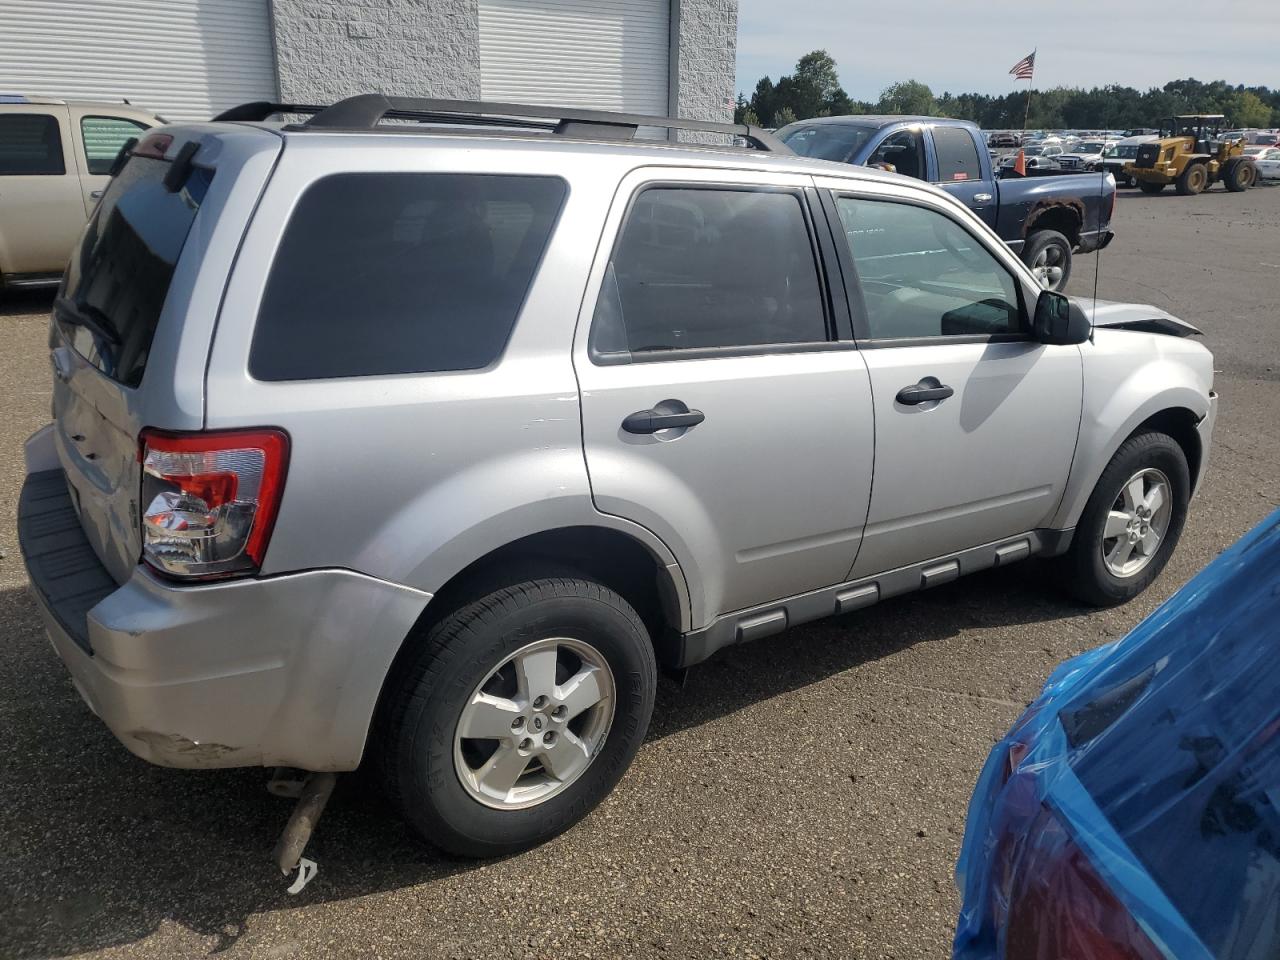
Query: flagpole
(1026,115)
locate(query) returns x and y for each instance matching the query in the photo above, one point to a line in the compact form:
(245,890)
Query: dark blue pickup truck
(1045,219)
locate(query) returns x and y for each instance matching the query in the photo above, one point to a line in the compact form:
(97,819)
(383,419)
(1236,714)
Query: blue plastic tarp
(1149,767)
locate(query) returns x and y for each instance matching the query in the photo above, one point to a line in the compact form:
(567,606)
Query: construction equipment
(1190,154)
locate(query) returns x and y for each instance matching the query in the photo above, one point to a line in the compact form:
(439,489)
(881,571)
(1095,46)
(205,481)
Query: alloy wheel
(534,724)
(1047,267)
(1137,523)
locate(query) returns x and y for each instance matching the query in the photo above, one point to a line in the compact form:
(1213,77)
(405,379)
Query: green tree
(908,97)
(1247,109)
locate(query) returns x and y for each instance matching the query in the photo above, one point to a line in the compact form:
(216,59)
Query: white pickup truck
(55,158)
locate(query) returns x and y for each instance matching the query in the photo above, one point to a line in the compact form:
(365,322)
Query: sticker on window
(960,176)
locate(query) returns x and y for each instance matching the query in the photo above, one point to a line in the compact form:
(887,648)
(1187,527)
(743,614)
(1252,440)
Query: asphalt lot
(804,796)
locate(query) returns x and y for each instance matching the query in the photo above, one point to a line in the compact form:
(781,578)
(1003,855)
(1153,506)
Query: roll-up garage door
(184,59)
(602,54)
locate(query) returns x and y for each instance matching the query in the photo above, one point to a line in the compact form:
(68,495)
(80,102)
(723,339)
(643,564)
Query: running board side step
(772,618)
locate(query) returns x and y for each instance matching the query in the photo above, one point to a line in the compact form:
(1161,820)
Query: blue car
(1133,811)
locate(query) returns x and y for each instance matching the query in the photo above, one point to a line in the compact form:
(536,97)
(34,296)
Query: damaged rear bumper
(279,671)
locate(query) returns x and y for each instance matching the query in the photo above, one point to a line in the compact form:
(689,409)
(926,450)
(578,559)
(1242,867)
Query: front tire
(1048,254)
(1193,180)
(1132,521)
(516,715)
(1239,176)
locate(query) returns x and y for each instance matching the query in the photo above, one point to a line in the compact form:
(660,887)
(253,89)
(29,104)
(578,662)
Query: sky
(969,47)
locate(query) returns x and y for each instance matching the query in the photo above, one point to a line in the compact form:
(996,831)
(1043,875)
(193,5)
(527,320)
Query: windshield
(1122,151)
(826,141)
(1091,146)
(1034,151)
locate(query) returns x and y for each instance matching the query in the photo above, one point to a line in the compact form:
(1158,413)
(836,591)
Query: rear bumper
(279,671)
(1098,240)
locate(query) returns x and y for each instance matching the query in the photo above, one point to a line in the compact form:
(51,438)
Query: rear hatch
(132,323)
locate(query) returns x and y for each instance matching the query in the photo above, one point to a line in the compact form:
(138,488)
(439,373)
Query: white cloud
(970,47)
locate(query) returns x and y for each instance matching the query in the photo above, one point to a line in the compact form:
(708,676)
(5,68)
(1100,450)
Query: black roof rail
(262,109)
(365,111)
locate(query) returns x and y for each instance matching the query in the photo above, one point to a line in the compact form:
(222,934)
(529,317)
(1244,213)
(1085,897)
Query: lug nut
(526,744)
(560,712)
(517,723)
(549,737)
(539,702)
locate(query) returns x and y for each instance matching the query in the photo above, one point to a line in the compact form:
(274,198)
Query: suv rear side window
(957,155)
(709,268)
(383,273)
(118,279)
(103,137)
(30,144)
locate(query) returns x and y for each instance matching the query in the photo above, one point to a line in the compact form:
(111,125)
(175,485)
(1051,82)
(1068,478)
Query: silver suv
(428,442)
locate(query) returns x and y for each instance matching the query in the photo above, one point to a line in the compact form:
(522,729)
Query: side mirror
(1059,319)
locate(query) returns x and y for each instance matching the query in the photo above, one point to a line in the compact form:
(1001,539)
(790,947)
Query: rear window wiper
(88,316)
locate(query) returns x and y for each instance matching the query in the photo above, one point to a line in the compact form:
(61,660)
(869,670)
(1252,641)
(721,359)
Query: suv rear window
(30,144)
(118,279)
(402,273)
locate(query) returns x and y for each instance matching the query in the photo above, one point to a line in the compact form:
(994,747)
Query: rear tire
(450,787)
(1146,186)
(1097,563)
(1239,175)
(1048,254)
(1193,180)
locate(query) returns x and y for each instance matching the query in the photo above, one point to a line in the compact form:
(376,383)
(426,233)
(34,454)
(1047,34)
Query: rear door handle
(922,393)
(982,198)
(651,421)
(95,195)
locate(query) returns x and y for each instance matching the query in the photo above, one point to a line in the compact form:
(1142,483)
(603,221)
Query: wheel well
(1062,216)
(1179,423)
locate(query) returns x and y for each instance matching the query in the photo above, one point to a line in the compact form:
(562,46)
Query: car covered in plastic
(1133,811)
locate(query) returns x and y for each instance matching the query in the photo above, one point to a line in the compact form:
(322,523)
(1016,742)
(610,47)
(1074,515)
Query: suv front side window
(709,269)
(921,274)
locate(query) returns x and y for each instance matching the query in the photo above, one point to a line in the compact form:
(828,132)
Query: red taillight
(1060,908)
(209,500)
(153,145)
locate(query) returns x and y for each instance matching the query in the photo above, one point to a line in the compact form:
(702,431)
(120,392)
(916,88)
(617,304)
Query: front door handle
(923,392)
(982,198)
(651,421)
(95,195)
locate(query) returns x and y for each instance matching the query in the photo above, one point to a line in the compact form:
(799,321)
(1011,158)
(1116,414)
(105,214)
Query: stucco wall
(329,49)
(708,48)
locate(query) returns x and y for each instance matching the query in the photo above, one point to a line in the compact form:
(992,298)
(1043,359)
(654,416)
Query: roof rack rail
(366,111)
(262,109)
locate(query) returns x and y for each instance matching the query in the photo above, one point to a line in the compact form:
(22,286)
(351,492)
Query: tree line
(813,90)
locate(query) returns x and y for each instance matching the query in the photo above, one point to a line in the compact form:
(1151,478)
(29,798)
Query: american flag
(1024,68)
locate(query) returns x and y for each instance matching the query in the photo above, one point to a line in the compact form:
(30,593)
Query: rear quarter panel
(1023,199)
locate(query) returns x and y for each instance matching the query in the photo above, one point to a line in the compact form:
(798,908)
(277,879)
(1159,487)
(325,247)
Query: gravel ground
(803,796)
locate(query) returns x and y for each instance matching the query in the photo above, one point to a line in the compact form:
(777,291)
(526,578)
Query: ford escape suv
(429,441)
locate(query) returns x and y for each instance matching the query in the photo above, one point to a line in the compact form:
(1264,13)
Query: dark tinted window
(923,275)
(957,155)
(707,268)
(402,273)
(30,143)
(118,279)
(103,137)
